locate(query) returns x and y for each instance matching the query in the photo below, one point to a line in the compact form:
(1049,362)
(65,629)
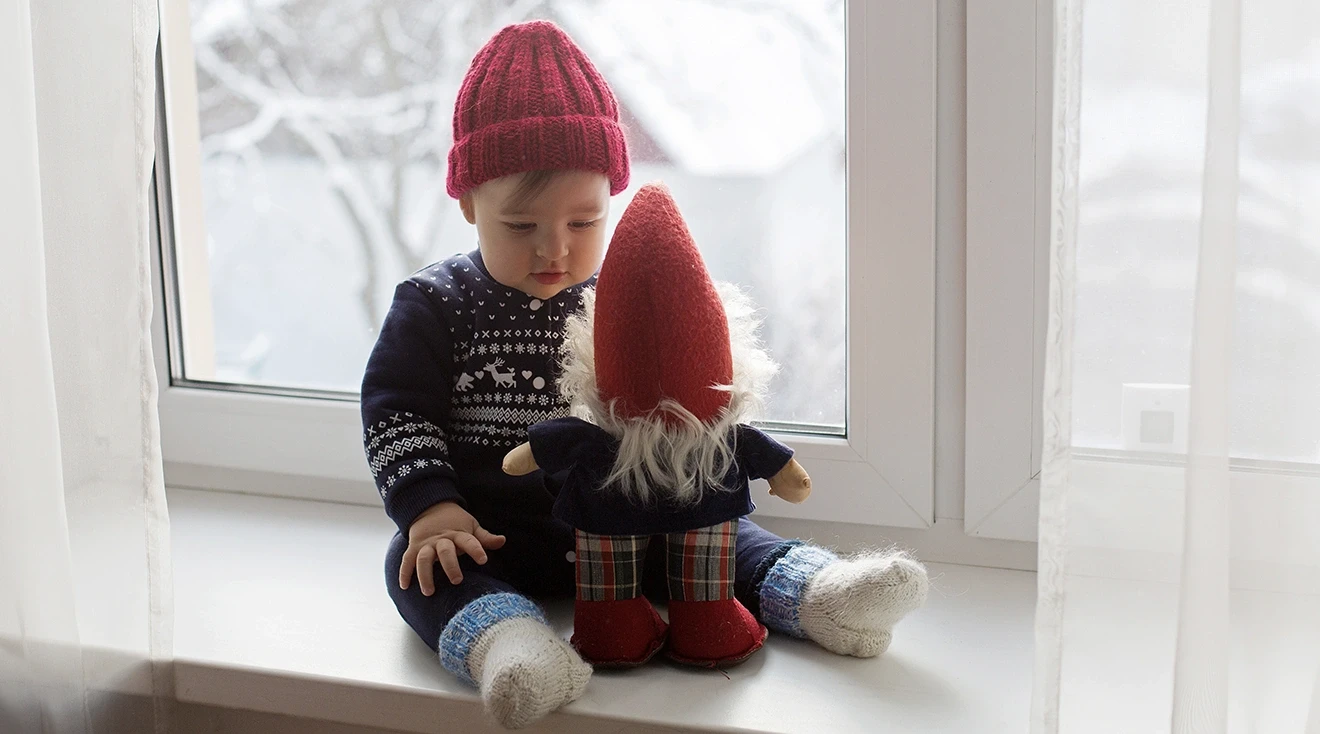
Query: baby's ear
(469,209)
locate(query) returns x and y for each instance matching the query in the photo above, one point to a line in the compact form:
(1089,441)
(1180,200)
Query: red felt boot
(617,634)
(712,634)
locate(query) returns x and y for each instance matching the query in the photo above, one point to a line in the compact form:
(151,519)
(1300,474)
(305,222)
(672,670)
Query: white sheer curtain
(85,636)
(1180,510)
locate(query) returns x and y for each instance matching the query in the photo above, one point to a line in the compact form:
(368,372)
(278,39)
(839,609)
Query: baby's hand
(440,534)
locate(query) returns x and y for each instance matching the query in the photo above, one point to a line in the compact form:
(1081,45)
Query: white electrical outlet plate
(1155,417)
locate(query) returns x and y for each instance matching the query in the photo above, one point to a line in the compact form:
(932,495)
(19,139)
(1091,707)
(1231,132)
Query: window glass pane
(1143,122)
(325,128)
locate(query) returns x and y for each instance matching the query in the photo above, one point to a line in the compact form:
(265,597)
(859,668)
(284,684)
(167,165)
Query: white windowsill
(281,608)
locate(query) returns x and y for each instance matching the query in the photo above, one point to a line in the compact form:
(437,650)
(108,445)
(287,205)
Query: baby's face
(543,245)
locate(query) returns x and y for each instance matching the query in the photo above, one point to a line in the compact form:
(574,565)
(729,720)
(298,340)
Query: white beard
(669,452)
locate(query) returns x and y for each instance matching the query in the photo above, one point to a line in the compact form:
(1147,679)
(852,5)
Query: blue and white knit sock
(785,585)
(502,644)
(846,606)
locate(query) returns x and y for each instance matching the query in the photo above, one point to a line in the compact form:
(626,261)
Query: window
(1142,117)
(324,130)
(305,177)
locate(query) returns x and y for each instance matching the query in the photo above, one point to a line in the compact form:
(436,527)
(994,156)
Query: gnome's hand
(791,483)
(520,461)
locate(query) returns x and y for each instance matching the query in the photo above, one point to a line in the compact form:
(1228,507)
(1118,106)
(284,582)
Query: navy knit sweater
(463,365)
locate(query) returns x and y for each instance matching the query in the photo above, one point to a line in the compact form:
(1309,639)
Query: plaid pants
(700,564)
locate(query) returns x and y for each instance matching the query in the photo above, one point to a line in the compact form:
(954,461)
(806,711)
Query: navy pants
(539,562)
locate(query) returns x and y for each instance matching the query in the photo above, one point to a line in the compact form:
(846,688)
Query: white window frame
(310,446)
(1009,126)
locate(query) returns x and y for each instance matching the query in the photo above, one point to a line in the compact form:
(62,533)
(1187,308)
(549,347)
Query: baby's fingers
(488,539)
(449,560)
(470,546)
(407,566)
(425,572)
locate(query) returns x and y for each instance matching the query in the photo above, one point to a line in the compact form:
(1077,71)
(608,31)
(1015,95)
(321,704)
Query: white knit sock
(525,671)
(850,606)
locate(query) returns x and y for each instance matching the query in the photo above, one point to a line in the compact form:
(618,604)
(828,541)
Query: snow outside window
(324,131)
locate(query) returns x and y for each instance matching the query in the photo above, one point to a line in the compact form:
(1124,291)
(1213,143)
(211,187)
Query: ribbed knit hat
(660,328)
(532,100)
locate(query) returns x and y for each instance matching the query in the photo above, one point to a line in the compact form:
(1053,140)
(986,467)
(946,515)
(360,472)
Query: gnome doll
(665,368)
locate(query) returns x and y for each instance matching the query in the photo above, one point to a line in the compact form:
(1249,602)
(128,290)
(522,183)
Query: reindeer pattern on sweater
(462,366)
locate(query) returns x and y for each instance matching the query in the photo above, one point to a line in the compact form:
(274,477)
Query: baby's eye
(583,224)
(520,227)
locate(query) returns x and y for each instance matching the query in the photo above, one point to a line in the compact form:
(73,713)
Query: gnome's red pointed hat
(661,332)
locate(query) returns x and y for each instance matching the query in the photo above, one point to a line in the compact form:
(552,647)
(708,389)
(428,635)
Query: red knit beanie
(660,328)
(532,100)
